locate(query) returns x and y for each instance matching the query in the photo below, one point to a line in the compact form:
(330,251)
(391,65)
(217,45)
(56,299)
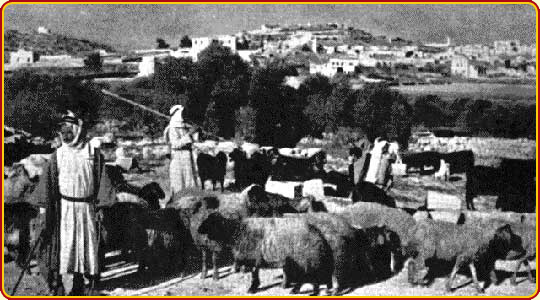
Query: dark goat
(212,168)
(247,171)
(343,183)
(482,180)
(460,161)
(513,182)
(299,169)
(369,192)
(518,190)
(123,227)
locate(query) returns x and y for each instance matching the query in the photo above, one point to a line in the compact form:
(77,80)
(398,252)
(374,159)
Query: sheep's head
(506,244)
(237,154)
(215,227)
(257,194)
(152,193)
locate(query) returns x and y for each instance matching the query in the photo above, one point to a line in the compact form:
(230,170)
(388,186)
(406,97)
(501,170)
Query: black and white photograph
(222,149)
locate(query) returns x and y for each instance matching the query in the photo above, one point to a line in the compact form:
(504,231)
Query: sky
(136,26)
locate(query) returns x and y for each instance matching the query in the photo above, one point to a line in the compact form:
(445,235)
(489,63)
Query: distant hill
(50,44)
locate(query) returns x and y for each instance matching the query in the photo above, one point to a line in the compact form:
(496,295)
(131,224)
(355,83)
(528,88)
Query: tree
(382,112)
(274,105)
(161,44)
(185,42)
(173,76)
(429,111)
(314,84)
(222,77)
(34,102)
(475,113)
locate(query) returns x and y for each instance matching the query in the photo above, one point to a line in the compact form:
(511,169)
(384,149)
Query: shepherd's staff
(143,107)
(108,93)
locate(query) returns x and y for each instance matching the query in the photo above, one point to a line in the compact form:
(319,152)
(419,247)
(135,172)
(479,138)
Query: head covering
(176,116)
(80,136)
(177,121)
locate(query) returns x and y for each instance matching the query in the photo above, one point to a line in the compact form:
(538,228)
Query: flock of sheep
(360,244)
(367,241)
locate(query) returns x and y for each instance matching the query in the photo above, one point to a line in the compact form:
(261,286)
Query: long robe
(47,195)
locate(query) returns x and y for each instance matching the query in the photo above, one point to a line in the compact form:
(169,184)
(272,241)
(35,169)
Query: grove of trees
(230,99)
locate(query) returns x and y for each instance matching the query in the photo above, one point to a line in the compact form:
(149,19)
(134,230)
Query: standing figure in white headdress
(182,170)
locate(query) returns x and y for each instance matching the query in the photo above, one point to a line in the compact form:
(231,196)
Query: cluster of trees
(477,116)
(35,102)
(228,98)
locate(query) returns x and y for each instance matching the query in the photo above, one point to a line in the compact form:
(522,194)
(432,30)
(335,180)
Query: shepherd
(69,191)
(182,169)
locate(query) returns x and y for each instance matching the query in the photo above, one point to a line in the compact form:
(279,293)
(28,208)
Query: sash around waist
(89,199)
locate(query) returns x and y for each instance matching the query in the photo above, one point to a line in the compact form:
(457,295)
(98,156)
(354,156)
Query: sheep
(255,169)
(289,168)
(525,230)
(292,244)
(212,168)
(148,196)
(366,214)
(260,203)
(167,241)
(464,244)
(122,226)
(123,223)
(345,242)
(193,211)
(379,244)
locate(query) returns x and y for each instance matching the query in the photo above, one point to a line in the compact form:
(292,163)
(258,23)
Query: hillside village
(327,49)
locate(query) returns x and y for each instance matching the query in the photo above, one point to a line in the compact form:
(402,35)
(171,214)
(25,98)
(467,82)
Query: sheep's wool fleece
(290,238)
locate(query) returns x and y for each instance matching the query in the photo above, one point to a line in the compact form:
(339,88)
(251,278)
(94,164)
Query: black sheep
(299,169)
(212,168)
(167,242)
(122,227)
(253,170)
